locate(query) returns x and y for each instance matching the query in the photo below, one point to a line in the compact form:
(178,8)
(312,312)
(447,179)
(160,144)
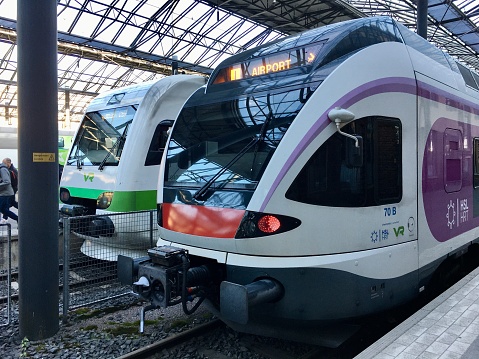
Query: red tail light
(256,224)
(269,224)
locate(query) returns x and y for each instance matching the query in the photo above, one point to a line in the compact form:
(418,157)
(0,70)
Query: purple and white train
(319,178)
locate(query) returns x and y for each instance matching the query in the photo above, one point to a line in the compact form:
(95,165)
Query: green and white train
(114,160)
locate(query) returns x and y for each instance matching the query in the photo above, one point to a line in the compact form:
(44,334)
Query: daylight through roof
(103,44)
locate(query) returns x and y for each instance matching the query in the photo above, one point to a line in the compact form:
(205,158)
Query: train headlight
(64,195)
(104,200)
(256,224)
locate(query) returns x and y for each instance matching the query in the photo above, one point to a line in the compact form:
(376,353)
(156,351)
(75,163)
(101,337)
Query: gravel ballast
(105,330)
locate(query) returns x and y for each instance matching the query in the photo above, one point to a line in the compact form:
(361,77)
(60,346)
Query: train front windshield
(224,138)
(228,144)
(101,137)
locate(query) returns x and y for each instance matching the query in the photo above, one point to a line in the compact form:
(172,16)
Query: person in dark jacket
(13,179)
(6,192)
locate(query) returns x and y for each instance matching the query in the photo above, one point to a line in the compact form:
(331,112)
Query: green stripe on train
(133,201)
(122,201)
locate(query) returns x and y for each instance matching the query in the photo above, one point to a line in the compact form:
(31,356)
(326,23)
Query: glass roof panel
(8,9)
(113,43)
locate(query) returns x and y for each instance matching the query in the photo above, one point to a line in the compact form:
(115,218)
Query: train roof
(301,55)
(125,95)
(321,36)
(130,95)
(311,55)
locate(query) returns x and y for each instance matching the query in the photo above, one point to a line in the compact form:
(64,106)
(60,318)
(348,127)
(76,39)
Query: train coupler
(159,277)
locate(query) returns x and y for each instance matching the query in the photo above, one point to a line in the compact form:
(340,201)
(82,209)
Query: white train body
(114,161)
(349,230)
(9,143)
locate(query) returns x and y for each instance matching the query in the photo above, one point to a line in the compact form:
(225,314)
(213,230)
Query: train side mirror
(340,115)
(354,153)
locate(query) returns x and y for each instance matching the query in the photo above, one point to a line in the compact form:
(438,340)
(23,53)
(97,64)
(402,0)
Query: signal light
(269,224)
(256,224)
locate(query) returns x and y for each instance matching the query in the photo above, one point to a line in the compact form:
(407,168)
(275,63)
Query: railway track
(247,344)
(210,339)
(173,340)
(82,273)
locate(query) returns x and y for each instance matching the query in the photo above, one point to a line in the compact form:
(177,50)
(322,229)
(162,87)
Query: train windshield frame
(228,144)
(225,136)
(306,52)
(101,137)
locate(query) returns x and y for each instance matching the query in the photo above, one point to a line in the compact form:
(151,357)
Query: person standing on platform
(6,192)
(13,181)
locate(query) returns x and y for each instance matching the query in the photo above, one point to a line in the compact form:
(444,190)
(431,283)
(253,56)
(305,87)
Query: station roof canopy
(104,44)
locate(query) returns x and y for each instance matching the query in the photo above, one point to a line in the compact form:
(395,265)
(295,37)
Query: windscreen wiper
(200,193)
(79,137)
(110,151)
(120,140)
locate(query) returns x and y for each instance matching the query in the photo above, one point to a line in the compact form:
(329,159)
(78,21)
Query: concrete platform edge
(377,347)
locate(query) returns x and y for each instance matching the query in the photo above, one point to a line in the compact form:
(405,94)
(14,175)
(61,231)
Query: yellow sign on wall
(43,157)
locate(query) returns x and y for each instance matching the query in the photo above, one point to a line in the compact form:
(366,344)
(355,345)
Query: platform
(447,327)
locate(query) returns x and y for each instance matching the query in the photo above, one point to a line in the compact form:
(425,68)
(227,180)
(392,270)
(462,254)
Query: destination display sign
(276,62)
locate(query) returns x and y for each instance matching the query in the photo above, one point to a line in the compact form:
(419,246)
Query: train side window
(476,162)
(368,34)
(467,75)
(329,179)
(423,46)
(452,160)
(387,144)
(157,144)
(476,77)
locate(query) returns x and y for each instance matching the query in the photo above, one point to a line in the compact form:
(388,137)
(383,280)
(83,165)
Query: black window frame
(157,145)
(328,179)
(476,161)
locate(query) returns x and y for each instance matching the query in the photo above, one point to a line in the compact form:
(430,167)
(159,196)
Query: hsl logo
(399,231)
(89,176)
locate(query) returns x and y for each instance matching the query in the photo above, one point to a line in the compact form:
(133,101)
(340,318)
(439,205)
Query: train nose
(236,299)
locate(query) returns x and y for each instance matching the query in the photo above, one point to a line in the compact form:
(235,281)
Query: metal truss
(452,24)
(103,44)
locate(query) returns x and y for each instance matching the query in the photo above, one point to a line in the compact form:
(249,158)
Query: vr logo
(399,231)
(89,176)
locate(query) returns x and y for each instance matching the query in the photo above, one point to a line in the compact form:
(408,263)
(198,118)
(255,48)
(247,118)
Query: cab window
(341,175)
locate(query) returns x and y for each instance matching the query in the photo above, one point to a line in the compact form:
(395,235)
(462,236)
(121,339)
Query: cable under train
(113,164)
(316,179)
